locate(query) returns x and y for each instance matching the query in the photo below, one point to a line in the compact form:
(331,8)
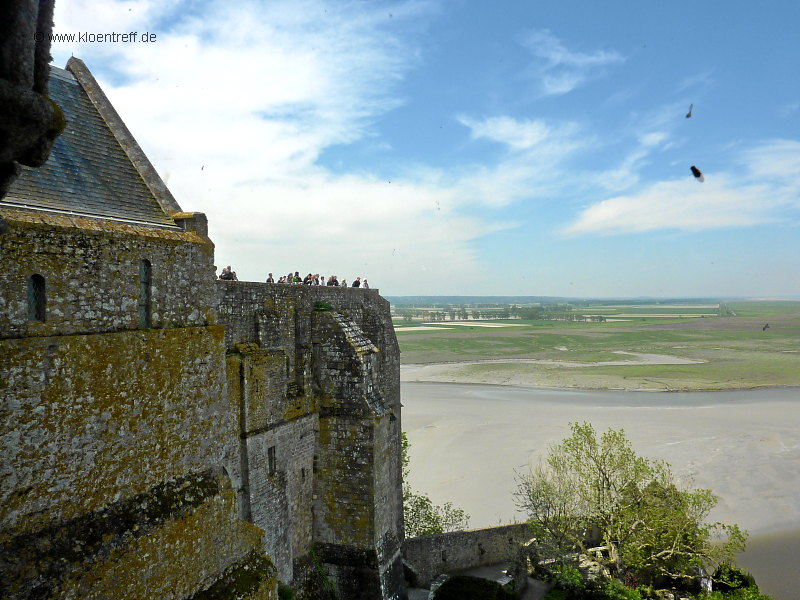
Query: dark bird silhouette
(689,114)
(697,174)
(765,327)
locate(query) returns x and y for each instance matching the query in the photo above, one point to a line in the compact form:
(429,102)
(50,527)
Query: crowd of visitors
(294,278)
(317,279)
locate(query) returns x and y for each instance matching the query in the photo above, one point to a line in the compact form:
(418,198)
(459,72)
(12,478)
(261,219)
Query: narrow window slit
(145,294)
(37,298)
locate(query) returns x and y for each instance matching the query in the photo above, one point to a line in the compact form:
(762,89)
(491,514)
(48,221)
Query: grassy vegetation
(731,352)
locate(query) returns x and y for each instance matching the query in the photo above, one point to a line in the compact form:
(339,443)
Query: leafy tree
(406,313)
(593,491)
(529,312)
(421,515)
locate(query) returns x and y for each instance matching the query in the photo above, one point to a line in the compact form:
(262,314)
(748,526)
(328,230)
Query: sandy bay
(467,441)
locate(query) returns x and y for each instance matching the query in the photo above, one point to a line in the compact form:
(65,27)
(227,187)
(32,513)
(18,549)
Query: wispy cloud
(536,166)
(519,134)
(765,190)
(561,70)
(626,174)
(787,110)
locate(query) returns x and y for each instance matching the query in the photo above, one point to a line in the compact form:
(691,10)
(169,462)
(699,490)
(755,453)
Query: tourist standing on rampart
(228,275)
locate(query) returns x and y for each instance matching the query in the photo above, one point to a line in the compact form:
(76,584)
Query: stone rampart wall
(431,555)
(316,371)
(281,489)
(240,303)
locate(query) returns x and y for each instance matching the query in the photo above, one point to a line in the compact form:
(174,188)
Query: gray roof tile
(88,173)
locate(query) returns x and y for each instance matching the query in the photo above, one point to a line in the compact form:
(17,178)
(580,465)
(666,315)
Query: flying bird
(689,114)
(697,174)
(765,327)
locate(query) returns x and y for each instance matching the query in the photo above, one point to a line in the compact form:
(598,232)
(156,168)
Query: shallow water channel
(467,442)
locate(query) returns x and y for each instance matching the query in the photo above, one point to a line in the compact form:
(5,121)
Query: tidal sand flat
(468,440)
(542,372)
(756,348)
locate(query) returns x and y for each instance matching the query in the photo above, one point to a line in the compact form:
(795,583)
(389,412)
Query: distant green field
(732,352)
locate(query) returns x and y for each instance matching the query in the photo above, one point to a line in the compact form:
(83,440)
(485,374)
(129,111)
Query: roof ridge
(123,135)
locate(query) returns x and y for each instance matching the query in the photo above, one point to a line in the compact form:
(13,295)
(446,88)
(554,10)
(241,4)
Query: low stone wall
(431,555)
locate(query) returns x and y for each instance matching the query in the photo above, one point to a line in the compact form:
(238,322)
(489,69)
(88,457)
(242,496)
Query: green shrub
(557,594)
(461,587)
(567,578)
(750,593)
(614,589)
(728,577)
(647,592)
(572,587)
(322,306)
(285,592)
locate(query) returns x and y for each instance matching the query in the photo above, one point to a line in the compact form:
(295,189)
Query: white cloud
(626,174)
(519,135)
(653,138)
(776,162)
(765,190)
(537,165)
(561,69)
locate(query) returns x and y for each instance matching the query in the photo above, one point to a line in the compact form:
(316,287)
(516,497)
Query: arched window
(145,287)
(37,298)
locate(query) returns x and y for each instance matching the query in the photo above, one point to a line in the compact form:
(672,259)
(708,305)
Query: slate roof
(89,173)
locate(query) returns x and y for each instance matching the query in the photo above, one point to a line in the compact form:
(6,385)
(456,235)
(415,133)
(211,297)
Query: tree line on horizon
(554,312)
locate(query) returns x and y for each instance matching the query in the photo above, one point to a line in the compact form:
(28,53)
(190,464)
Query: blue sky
(468,147)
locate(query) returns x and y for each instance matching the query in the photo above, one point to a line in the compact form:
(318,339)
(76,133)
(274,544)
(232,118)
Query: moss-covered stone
(251,579)
(36,561)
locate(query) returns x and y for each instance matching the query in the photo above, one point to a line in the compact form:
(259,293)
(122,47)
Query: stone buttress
(317,374)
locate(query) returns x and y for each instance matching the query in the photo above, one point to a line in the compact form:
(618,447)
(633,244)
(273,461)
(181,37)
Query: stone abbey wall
(166,435)
(238,404)
(91,271)
(116,439)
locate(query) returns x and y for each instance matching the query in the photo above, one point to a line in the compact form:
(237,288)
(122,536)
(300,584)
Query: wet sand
(468,440)
(772,558)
